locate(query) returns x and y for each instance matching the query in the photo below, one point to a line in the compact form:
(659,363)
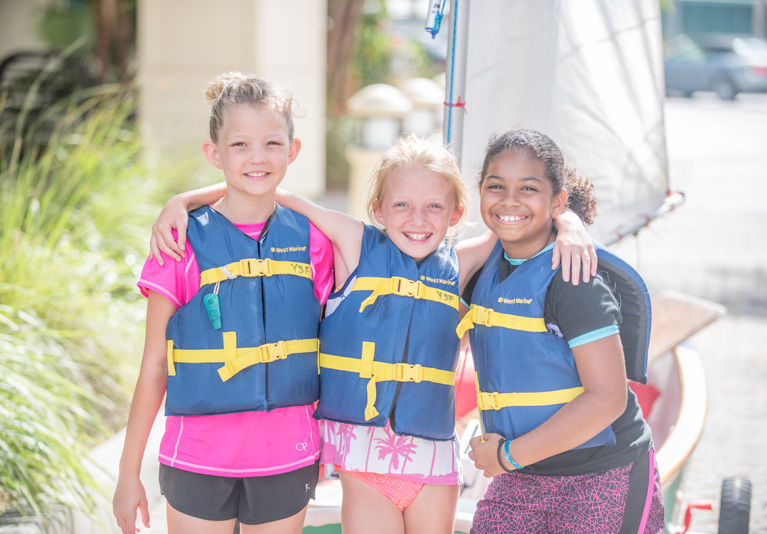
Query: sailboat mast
(455,76)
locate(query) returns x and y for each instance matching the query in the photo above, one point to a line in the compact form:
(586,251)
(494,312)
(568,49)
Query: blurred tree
(113,25)
(61,25)
(357,55)
(343,18)
(358,49)
(103,29)
(372,46)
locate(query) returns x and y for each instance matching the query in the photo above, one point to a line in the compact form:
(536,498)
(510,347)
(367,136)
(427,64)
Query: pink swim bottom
(399,491)
(622,500)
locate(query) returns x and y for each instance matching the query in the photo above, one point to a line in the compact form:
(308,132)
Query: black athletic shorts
(252,500)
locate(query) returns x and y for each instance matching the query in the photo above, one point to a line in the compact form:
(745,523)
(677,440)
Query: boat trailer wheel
(735,506)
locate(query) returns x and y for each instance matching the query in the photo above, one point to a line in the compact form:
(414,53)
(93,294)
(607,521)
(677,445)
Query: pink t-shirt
(241,444)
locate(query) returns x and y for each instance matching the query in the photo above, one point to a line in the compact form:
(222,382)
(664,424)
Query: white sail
(589,74)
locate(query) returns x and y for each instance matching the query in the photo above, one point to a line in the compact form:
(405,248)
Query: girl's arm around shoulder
(574,248)
(321,254)
(344,231)
(472,255)
(174,215)
(150,389)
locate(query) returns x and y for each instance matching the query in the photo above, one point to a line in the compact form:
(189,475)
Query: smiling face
(518,204)
(253,149)
(416,210)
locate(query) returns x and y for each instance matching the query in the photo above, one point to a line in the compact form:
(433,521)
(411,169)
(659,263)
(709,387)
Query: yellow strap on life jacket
(403,287)
(375,371)
(496,401)
(479,410)
(255,267)
(490,317)
(235,359)
(169,356)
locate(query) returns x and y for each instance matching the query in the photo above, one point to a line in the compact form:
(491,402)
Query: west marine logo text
(288,249)
(517,300)
(438,280)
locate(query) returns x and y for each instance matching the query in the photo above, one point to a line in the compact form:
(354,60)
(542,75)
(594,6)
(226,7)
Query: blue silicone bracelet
(508,457)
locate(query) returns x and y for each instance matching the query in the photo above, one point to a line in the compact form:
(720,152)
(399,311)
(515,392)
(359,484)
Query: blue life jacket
(524,372)
(264,353)
(388,351)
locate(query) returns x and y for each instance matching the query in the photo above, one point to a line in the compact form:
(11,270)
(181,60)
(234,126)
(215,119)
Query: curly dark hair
(580,191)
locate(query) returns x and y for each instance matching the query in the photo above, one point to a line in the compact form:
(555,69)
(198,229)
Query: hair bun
(217,85)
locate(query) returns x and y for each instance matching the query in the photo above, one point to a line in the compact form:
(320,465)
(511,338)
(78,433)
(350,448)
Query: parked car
(724,64)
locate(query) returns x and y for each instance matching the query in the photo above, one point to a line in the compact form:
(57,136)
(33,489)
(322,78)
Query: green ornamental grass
(74,224)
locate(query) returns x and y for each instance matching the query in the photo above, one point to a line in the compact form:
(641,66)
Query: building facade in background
(183,44)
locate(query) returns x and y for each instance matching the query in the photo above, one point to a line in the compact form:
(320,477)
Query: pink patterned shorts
(621,500)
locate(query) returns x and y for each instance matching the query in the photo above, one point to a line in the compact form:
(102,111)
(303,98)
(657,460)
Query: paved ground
(714,247)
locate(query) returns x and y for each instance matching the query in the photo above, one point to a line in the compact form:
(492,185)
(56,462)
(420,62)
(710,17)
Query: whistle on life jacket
(213,308)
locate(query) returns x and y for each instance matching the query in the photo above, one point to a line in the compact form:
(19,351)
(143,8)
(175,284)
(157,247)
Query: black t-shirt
(578,310)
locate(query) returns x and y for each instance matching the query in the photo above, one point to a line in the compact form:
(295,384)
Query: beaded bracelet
(498,453)
(507,454)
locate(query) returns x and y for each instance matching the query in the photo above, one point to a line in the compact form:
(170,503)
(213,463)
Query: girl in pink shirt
(265,443)
(256,465)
